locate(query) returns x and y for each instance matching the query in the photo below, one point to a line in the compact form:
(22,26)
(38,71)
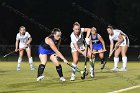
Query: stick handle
(20,49)
(111,53)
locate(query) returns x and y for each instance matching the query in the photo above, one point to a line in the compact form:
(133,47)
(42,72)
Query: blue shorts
(97,46)
(41,50)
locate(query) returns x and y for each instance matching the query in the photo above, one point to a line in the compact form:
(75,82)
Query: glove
(87,41)
(20,49)
(117,46)
(84,53)
(109,55)
(16,50)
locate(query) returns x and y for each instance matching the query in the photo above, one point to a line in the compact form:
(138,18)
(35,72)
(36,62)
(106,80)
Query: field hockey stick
(85,65)
(9,53)
(138,56)
(113,50)
(77,69)
(20,49)
(107,58)
(111,53)
(99,52)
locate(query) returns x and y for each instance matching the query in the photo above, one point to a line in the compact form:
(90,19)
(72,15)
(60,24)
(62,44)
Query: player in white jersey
(121,46)
(77,45)
(23,40)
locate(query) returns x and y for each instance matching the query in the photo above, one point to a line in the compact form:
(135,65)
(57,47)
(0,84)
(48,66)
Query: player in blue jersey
(49,48)
(97,45)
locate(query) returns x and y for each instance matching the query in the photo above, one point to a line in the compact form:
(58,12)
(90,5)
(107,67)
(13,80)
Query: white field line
(125,89)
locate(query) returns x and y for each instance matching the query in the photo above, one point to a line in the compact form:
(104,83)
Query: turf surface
(24,81)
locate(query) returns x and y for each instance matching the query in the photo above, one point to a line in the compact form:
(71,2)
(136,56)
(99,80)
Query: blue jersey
(95,39)
(96,44)
(44,48)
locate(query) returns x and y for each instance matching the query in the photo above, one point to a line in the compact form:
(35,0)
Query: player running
(121,46)
(49,48)
(97,44)
(77,46)
(23,40)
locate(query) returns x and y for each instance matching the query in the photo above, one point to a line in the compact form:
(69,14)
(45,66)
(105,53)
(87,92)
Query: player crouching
(49,47)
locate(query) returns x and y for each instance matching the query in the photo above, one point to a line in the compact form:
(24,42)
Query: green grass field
(24,81)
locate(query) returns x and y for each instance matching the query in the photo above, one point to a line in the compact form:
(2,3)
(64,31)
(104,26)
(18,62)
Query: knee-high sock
(116,60)
(102,60)
(19,61)
(31,62)
(91,64)
(74,69)
(59,70)
(41,68)
(124,60)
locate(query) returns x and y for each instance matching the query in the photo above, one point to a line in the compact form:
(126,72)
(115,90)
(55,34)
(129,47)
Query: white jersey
(79,40)
(23,39)
(114,37)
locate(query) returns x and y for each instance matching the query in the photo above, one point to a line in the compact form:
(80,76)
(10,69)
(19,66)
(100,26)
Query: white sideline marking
(125,89)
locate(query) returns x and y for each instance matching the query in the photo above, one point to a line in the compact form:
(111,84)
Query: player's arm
(77,48)
(58,44)
(29,41)
(111,46)
(91,46)
(102,41)
(54,48)
(90,43)
(16,45)
(87,30)
(120,40)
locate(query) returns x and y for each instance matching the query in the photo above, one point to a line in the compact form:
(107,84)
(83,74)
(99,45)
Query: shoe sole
(41,78)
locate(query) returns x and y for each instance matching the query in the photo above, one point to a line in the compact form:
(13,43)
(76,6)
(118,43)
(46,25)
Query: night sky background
(40,16)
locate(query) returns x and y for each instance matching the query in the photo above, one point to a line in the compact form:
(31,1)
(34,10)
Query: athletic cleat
(72,77)
(40,78)
(83,77)
(114,69)
(62,79)
(32,68)
(92,74)
(103,65)
(122,69)
(18,68)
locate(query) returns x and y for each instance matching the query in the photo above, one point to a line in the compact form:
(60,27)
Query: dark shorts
(41,50)
(97,46)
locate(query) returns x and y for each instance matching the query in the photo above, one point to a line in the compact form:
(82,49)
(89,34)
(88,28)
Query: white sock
(116,60)
(124,60)
(19,62)
(91,68)
(91,64)
(74,70)
(31,62)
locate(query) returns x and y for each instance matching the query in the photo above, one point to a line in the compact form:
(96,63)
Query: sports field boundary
(125,89)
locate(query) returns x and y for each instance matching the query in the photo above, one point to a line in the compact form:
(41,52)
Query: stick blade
(4,55)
